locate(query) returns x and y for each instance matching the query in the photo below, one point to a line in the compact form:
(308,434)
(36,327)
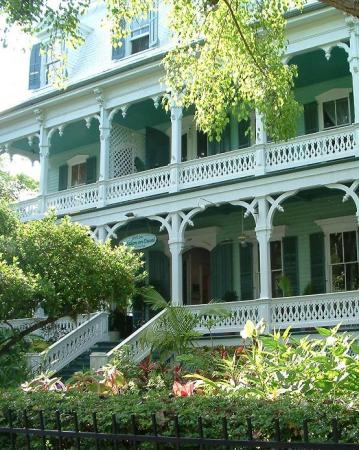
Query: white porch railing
(71,345)
(304,312)
(302,151)
(56,330)
(315,148)
(134,344)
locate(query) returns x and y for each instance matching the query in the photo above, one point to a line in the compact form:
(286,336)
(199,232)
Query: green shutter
(119,51)
(243,134)
(91,170)
(159,272)
(351,104)
(246,271)
(221,270)
(157,148)
(35,67)
(290,262)
(311,118)
(317,263)
(63,177)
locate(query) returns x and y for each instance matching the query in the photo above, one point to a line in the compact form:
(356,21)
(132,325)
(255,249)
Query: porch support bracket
(350,192)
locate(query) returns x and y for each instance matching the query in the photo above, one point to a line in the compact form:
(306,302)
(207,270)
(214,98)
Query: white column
(105,132)
(44,165)
(176,144)
(353,59)
(176,245)
(263,232)
(261,140)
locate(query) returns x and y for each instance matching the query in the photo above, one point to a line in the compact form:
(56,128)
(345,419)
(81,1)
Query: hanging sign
(140,241)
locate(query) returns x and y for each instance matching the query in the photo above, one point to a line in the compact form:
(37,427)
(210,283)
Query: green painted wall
(57,160)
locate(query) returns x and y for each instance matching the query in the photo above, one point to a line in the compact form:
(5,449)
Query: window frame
(329,96)
(75,161)
(336,225)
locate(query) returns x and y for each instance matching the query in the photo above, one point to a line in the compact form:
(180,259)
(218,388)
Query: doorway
(196,276)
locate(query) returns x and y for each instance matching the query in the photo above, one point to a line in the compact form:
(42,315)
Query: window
(336,113)
(78,174)
(140,35)
(276,267)
(54,63)
(344,261)
(143,35)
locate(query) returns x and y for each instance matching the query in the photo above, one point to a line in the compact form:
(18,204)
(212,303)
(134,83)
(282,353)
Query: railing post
(98,360)
(44,166)
(261,139)
(265,313)
(263,232)
(105,133)
(176,145)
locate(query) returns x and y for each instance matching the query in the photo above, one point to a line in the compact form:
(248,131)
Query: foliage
(173,332)
(43,383)
(291,412)
(11,186)
(13,368)
(227,56)
(58,266)
(278,364)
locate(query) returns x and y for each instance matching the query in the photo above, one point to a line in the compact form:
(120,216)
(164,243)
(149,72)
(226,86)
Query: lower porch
(310,263)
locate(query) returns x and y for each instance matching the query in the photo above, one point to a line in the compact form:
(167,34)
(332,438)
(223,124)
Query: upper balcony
(257,160)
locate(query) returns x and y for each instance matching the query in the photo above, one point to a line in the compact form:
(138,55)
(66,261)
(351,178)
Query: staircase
(82,362)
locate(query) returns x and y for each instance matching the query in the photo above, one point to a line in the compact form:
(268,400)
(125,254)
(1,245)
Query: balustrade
(73,344)
(302,151)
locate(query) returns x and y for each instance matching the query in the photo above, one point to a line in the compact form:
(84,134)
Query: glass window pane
(82,173)
(276,255)
(336,248)
(74,177)
(350,246)
(276,291)
(342,111)
(352,277)
(329,114)
(140,44)
(338,277)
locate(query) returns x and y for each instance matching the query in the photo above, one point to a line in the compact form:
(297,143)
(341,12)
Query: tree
(227,58)
(11,186)
(59,267)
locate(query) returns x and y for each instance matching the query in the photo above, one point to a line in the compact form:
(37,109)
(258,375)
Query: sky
(13,89)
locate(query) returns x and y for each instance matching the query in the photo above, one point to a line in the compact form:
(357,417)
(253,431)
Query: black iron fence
(29,437)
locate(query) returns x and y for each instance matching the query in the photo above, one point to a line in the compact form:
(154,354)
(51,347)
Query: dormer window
(140,35)
(143,35)
(45,68)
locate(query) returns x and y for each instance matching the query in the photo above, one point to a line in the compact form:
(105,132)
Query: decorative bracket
(350,192)
(89,119)
(250,208)
(276,205)
(156,101)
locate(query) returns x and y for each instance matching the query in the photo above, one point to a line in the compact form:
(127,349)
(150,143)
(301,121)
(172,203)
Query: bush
(291,412)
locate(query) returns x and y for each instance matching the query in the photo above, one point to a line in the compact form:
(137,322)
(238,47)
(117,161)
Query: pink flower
(183,390)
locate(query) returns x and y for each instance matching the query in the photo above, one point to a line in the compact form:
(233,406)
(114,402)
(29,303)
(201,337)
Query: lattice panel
(125,144)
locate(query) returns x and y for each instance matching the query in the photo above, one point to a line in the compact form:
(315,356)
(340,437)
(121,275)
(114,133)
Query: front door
(196,276)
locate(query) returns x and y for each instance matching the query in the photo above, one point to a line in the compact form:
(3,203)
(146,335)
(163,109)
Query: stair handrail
(138,350)
(70,346)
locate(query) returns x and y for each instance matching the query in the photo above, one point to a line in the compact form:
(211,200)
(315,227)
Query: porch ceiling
(75,135)
(313,67)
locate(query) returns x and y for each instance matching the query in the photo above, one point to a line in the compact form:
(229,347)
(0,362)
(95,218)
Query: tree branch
(348,6)
(247,46)
(5,347)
